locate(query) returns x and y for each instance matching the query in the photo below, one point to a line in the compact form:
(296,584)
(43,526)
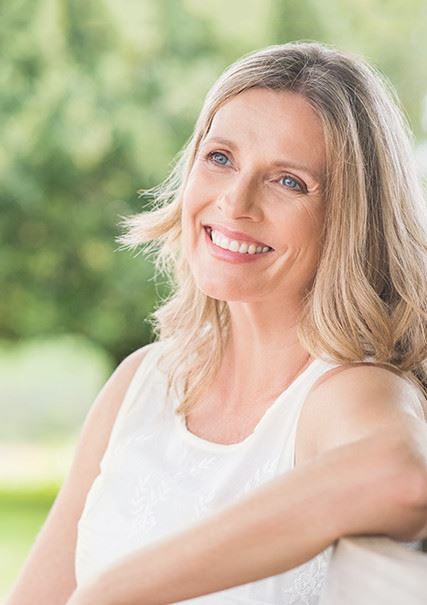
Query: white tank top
(158,478)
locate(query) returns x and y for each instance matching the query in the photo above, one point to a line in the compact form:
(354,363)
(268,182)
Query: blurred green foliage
(22,512)
(97,96)
(47,386)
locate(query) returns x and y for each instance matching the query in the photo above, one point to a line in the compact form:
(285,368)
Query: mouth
(236,245)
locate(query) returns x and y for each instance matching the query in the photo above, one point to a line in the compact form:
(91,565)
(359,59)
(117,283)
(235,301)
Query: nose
(240,199)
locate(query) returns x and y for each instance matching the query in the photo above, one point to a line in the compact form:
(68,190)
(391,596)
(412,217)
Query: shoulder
(127,368)
(352,401)
(105,408)
(96,430)
(125,371)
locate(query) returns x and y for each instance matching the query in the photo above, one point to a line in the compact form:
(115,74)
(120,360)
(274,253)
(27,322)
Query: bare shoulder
(351,402)
(111,396)
(99,421)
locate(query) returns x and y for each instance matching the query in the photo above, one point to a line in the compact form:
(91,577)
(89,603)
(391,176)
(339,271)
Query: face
(257,183)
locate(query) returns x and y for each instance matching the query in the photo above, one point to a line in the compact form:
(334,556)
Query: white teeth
(236,246)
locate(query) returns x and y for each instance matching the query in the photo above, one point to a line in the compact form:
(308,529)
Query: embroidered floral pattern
(155,488)
(265,472)
(155,482)
(307,583)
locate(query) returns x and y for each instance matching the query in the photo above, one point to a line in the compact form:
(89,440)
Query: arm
(48,574)
(374,484)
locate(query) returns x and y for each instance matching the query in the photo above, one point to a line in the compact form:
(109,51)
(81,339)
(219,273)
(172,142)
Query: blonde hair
(369,295)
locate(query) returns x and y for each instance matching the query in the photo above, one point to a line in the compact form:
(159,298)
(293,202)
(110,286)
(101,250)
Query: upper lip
(237,235)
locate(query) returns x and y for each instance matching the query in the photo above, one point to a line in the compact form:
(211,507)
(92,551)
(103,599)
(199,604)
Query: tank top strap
(321,370)
(138,382)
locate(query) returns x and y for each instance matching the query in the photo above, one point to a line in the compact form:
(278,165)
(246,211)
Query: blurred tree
(97,98)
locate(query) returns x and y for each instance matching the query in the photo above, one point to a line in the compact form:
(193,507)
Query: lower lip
(232,257)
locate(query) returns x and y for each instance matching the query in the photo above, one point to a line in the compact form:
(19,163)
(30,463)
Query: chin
(224,292)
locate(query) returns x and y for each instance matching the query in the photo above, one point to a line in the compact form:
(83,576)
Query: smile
(222,241)
(229,256)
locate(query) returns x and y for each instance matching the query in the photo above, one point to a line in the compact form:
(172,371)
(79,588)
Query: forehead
(276,123)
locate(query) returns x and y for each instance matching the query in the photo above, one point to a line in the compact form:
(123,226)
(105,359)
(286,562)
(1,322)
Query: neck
(259,365)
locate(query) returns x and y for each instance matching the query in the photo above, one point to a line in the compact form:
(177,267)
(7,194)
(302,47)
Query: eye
(217,157)
(292,183)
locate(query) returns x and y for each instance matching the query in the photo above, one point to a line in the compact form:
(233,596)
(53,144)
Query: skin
(367,471)
(242,188)
(239,187)
(349,490)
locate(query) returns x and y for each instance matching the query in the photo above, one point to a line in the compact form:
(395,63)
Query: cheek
(196,198)
(192,197)
(301,238)
(191,222)
(201,186)
(298,229)
(310,223)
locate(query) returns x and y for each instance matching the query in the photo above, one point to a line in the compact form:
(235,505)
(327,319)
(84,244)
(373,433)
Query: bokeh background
(96,98)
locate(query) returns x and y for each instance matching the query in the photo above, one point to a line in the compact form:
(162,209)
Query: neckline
(225,447)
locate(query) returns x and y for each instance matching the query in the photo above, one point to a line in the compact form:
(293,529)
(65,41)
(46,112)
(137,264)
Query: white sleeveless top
(158,478)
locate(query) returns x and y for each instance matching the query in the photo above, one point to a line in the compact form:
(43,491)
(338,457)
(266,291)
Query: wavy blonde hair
(369,295)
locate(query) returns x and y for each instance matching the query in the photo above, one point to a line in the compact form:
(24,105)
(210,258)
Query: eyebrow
(276,164)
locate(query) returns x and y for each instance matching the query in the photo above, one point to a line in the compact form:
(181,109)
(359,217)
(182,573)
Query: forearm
(258,537)
(279,526)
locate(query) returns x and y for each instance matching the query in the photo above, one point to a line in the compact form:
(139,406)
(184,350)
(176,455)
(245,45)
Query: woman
(282,406)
